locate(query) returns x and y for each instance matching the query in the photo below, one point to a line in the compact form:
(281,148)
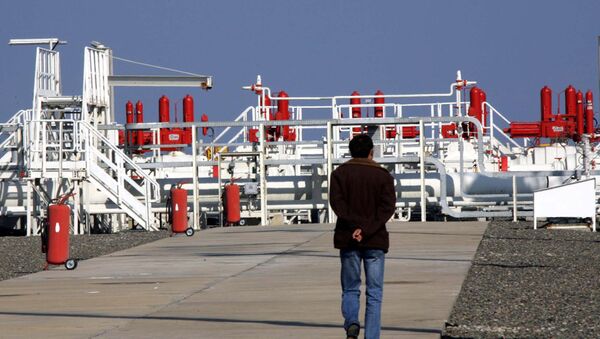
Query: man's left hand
(357,234)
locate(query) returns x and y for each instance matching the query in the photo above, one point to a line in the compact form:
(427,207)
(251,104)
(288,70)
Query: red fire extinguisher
(232,204)
(177,206)
(56,237)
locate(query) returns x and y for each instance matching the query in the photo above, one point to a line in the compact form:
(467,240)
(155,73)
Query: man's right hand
(357,235)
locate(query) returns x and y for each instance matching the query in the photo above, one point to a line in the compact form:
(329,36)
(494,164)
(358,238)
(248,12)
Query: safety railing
(493,127)
(11,141)
(54,145)
(243,130)
(106,163)
(69,148)
(436,142)
(114,158)
(8,129)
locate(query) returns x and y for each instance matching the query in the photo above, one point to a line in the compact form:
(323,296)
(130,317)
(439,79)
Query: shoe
(352,331)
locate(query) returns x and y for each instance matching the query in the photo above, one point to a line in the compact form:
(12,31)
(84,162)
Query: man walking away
(363,198)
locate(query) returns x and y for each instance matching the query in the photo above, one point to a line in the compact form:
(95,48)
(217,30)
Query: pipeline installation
(68,167)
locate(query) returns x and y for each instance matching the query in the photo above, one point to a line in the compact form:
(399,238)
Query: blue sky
(512,48)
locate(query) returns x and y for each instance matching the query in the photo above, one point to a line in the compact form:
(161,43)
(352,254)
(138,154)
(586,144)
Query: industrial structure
(452,154)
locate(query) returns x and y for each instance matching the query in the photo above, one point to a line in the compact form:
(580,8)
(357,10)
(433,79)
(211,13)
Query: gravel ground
(530,284)
(22,255)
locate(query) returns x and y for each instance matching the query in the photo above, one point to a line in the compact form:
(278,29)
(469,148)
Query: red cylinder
(188,116)
(204,118)
(475,110)
(571,102)
(129,112)
(179,220)
(283,105)
(589,112)
(579,113)
(59,222)
(163,109)
(503,163)
(546,103)
(129,120)
(283,113)
(484,110)
(277,130)
(188,109)
(379,99)
(139,117)
(356,111)
(232,203)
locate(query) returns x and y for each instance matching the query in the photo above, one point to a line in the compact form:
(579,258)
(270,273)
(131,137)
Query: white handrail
(506,136)
(147,179)
(242,116)
(495,112)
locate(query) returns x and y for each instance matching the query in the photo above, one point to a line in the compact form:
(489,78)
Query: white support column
(422,170)
(514,184)
(29,208)
(122,223)
(76,207)
(329,154)
(491,122)
(219,183)
(458,94)
(149,215)
(85,204)
(195,208)
(263,178)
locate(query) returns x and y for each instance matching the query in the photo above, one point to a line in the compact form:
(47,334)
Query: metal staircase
(88,155)
(111,171)
(55,148)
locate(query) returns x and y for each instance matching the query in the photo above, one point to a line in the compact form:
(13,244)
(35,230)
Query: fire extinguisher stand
(55,236)
(177,211)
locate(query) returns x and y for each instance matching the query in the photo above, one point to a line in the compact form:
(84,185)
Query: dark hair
(360,146)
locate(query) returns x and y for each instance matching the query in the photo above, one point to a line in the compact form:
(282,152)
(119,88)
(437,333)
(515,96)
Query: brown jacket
(362,195)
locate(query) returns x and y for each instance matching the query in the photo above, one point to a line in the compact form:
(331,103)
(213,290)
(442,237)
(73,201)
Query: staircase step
(128,202)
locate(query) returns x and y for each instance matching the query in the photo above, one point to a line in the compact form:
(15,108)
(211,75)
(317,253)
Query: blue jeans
(374,261)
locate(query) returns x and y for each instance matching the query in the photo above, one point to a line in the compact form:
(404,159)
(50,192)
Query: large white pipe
(458,83)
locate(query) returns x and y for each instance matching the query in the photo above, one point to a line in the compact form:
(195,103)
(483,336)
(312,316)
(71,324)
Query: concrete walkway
(242,282)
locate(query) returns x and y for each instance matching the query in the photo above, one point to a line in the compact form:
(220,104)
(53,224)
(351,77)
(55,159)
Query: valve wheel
(71,264)
(189,231)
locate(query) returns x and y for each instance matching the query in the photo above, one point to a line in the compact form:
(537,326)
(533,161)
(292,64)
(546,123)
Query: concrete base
(241,282)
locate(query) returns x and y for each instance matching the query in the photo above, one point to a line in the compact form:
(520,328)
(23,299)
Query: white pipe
(422,170)
(491,120)
(297,206)
(459,82)
(29,211)
(329,153)
(76,202)
(264,218)
(458,104)
(196,220)
(220,192)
